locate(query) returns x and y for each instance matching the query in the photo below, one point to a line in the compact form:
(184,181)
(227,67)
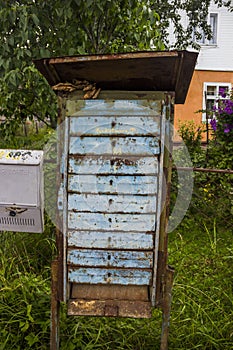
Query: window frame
(213,97)
(214,29)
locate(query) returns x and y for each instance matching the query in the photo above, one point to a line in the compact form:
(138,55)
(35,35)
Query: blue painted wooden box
(111,196)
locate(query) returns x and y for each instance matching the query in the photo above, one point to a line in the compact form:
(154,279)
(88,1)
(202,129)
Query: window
(211,95)
(213,25)
(213,22)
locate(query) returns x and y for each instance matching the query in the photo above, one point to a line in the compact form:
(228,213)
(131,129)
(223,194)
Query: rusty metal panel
(95,275)
(134,71)
(111,240)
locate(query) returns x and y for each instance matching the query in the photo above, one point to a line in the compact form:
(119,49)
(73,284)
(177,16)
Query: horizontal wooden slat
(121,106)
(109,258)
(138,146)
(106,292)
(108,308)
(106,276)
(113,165)
(111,203)
(112,184)
(112,222)
(110,240)
(117,125)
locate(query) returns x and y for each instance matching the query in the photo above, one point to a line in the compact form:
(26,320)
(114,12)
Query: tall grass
(202,316)
(202,310)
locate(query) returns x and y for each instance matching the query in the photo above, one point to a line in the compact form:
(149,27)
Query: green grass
(202,310)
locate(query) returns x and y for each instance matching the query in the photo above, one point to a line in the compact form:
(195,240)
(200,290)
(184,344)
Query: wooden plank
(120,104)
(113,165)
(110,240)
(111,222)
(109,258)
(115,125)
(109,276)
(106,292)
(114,308)
(111,203)
(112,184)
(138,146)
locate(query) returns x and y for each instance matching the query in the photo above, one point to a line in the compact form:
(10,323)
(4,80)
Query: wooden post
(166,307)
(165,273)
(55,308)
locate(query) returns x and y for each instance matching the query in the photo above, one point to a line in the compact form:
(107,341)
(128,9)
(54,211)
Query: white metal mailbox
(21,190)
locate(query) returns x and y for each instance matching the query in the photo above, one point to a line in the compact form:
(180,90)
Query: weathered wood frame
(162,283)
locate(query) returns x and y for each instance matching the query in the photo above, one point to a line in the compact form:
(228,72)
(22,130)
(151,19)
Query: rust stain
(118,162)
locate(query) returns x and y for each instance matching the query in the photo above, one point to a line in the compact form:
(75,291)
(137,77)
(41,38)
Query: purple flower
(213,123)
(228,110)
(228,107)
(226,128)
(223,92)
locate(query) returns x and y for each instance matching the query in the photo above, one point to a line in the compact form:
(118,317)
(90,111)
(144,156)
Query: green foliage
(212,193)
(191,135)
(35,29)
(25,293)
(35,139)
(25,288)
(117,26)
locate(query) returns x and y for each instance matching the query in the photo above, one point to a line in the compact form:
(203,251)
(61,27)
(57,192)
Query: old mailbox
(21,190)
(116,115)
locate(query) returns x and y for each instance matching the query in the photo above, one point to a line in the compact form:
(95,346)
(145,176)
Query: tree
(39,28)
(197,11)
(36,28)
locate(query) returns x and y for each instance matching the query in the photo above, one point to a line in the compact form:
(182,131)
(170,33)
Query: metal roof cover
(135,71)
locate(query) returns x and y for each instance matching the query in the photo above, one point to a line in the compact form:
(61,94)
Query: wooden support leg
(55,308)
(166,307)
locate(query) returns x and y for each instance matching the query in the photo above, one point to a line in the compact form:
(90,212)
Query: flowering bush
(222,122)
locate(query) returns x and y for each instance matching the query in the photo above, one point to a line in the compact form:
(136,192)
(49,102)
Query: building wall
(219,56)
(194,99)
